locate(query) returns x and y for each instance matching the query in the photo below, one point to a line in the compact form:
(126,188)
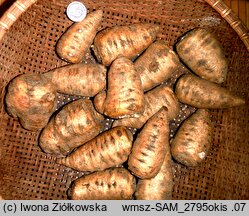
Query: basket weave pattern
(29,47)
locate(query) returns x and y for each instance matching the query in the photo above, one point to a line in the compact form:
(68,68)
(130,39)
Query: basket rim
(181,173)
(21,6)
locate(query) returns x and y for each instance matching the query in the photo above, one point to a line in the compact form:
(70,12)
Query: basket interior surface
(29,47)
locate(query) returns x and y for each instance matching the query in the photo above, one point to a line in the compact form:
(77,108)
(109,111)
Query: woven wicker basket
(29,30)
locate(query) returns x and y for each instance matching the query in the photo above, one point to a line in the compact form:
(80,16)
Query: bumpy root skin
(128,41)
(31,99)
(125,95)
(110,184)
(75,124)
(149,148)
(157,64)
(108,149)
(76,41)
(202,53)
(193,140)
(204,94)
(154,100)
